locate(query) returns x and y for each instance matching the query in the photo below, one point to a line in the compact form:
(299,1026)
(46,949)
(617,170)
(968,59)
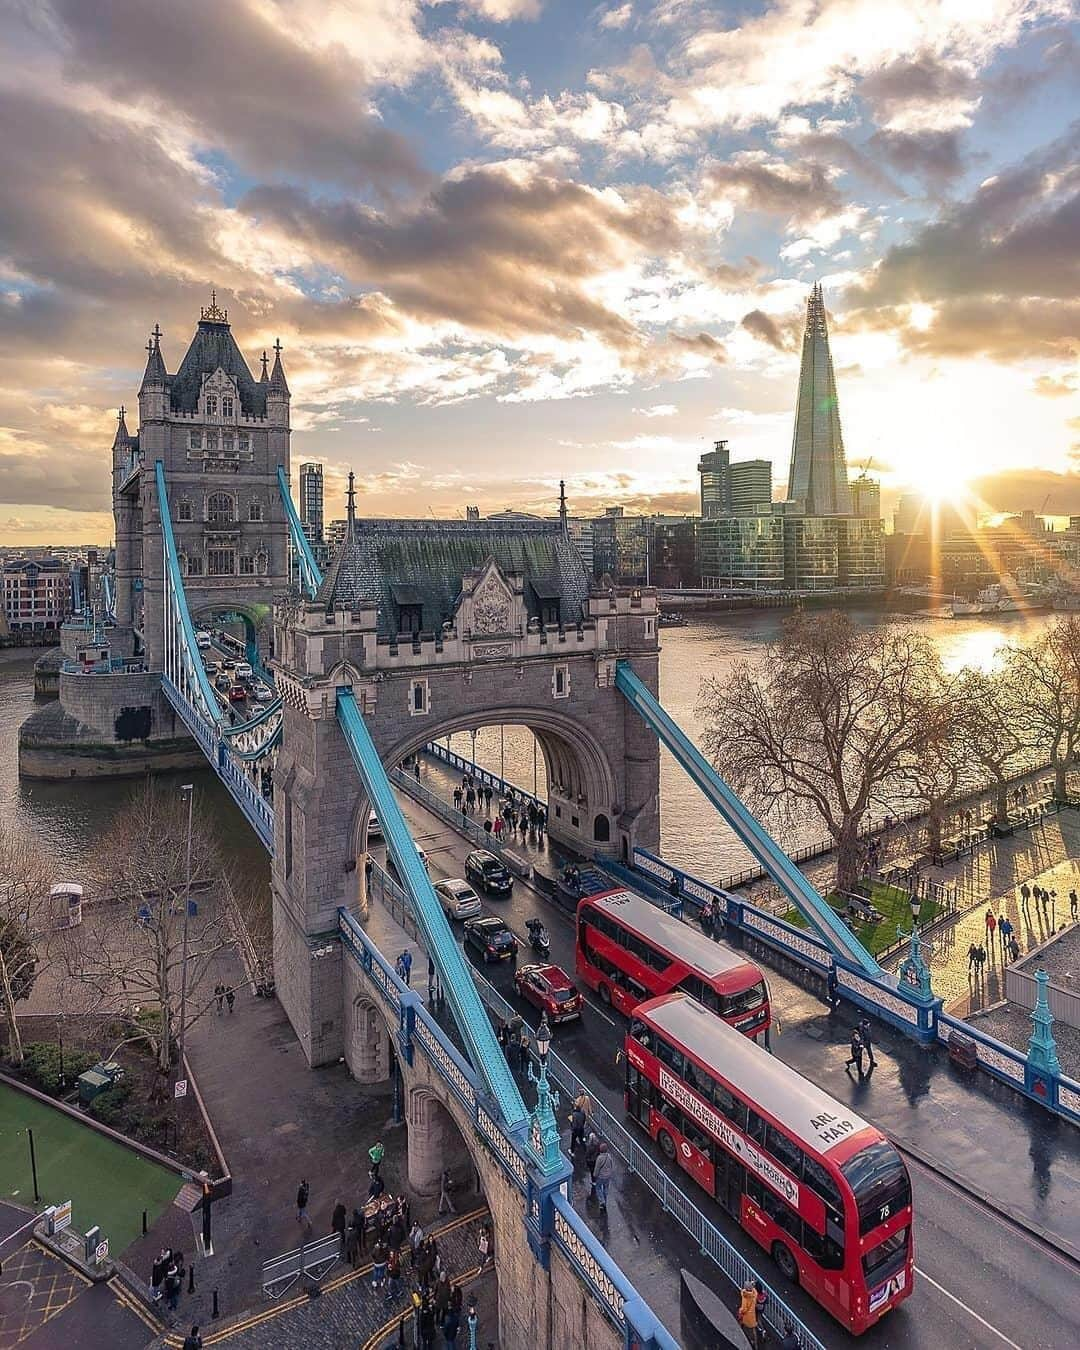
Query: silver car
(458,899)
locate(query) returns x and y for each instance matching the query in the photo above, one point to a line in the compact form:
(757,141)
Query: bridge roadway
(982,1281)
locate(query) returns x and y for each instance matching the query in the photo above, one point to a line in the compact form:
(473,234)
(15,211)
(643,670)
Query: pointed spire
(277,376)
(122,436)
(562,502)
(155,372)
(265,377)
(350,503)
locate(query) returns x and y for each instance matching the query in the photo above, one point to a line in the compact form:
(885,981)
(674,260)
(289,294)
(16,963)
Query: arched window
(220,509)
(601,830)
(255,511)
(184,509)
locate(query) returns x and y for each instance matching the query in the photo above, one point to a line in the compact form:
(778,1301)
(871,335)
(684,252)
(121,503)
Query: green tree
(25,928)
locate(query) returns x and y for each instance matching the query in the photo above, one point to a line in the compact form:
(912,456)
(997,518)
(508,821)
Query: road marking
(597,1009)
(970,1311)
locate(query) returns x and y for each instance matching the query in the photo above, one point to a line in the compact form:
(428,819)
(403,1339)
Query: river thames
(66,818)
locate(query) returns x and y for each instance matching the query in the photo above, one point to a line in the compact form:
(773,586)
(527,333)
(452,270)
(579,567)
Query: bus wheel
(605,995)
(667,1145)
(785,1262)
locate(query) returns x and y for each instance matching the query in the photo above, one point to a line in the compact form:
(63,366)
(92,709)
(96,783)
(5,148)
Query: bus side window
(729,1105)
(694,986)
(783,1217)
(755,1128)
(638,1032)
(667,1054)
(821,1183)
(824,1250)
(784,1150)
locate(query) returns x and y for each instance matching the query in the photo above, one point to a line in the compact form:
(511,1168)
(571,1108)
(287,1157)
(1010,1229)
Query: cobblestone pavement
(349,1311)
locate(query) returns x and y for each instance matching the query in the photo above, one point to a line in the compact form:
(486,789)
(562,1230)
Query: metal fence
(465,824)
(1020,987)
(311,1260)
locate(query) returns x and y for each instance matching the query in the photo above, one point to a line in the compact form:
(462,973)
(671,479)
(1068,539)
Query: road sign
(61,1216)
(180,1090)
(101,1251)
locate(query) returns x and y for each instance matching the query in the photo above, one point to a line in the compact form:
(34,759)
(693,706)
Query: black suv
(490,938)
(487,873)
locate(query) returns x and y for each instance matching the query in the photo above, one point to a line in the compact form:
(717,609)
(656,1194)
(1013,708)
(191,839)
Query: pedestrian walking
(497,828)
(416,1238)
(1025,894)
(1005,931)
(577,1127)
(1074,902)
(376,1186)
(973,956)
(230,997)
(339,1223)
(541,822)
(717,918)
(586,1103)
(991,924)
(172,1286)
(354,1239)
(393,1274)
(303,1191)
(450,1328)
(789,1339)
(457,797)
(376,1153)
(416,768)
(441,1297)
(378,1265)
(158,1272)
(1014,949)
(981,959)
(856,1052)
(426,1322)
(832,989)
(523,1048)
(193,1341)
(219,995)
(592,1152)
(446,1185)
(603,1171)
(866,1034)
(489,825)
(486,1245)
(747,1314)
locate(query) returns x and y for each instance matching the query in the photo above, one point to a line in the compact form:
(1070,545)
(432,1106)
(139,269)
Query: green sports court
(108,1184)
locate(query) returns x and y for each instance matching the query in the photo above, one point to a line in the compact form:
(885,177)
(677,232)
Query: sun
(946,484)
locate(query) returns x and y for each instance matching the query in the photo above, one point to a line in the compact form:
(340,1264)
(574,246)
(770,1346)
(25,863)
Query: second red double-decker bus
(821,1189)
(629,949)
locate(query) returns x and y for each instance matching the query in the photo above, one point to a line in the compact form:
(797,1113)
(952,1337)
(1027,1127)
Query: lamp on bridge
(544,1130)
(916,906)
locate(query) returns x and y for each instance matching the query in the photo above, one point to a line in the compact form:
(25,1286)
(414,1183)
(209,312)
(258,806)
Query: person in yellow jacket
(747,1314)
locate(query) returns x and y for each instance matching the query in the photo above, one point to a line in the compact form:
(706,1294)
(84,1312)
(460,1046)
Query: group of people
(167,1278)
(1047,900)
(752,1301)
(436,1301)
(516,813)
(514,1038)
(862,1044)
(598,1156)
(224,994)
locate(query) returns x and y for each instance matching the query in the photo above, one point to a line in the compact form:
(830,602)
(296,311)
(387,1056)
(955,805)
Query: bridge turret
(154,390)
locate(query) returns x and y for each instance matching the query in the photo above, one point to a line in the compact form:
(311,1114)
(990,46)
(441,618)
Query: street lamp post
(189,789)
(471,1321)
(544,1131)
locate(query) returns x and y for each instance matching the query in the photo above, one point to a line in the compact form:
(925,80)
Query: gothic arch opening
(245,623)
(601,830)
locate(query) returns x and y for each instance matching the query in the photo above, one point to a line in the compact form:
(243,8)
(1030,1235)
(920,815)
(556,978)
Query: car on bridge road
(487,873)
(550,989)
(490,938)
(458,899)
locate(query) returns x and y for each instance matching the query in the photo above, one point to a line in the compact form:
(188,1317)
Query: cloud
(658,410)
(241,83)
(782,336)
(502,11)
(801,192)
(934,155)
(617,17)
(1000,270)
(922,93)
(1050,386)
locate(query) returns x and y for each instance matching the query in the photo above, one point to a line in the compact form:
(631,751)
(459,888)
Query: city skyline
(447,212)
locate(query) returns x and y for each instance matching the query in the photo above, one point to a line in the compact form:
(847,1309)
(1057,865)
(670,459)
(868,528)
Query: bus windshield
(733,1004)
(879,1180)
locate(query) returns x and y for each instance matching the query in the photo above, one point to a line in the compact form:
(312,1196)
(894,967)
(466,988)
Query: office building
(620,545)
(37,593)
(866,497)
(742,553)
(729,489)
(818,476)
(311,502)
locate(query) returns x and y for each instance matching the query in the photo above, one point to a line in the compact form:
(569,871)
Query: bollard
(214,1313)
(191,1278)
(144,1222)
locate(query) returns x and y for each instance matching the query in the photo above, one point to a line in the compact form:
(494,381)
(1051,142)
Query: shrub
(111,1106)
(41,1065)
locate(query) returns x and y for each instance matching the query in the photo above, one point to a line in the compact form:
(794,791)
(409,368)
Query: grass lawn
(107,1184)
(892,903)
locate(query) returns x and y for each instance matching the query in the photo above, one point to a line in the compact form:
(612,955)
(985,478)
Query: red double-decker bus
(629,950)
(823,1191)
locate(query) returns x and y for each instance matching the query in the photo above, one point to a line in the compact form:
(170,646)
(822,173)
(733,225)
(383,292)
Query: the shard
(818,474)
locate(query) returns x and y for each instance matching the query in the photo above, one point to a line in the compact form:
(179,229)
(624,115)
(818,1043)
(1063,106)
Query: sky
(505,242)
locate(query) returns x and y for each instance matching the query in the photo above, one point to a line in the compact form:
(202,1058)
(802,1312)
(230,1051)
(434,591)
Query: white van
(243,670)
(202,640)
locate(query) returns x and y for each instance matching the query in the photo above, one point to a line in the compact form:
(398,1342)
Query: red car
(551,990)
(238,694)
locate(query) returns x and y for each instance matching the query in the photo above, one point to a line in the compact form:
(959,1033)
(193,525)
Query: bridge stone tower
(221,435)
(442,626)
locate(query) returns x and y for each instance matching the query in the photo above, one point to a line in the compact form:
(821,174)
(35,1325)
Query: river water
(67,818)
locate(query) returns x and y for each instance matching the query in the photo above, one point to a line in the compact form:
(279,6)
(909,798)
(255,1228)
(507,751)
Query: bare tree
(136,961)
(1046,678)
(934,773)
(826,724)
(990,710)
(25,928)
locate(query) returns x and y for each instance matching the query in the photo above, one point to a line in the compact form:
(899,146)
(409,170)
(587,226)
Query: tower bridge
(418,628)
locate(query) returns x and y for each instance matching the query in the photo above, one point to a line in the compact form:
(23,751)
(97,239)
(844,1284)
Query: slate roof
(426,560)
(214,345)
